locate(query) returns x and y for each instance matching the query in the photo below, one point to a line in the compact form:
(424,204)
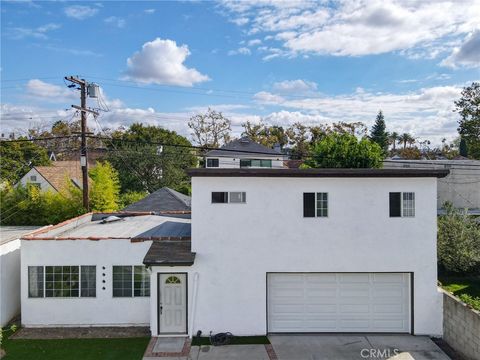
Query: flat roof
(318,173)
(134,226)
(9,233)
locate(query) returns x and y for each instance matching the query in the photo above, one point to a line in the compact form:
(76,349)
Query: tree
(104,194)
(392,139)
(378,133)
(405,139)
(298,139)
(143,164)
(268,136)
(463,149)
(345,151)
(211,129)
(468,106)
(458,241)
(18,157)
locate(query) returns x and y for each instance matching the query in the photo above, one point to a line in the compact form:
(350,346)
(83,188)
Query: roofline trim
(319,173)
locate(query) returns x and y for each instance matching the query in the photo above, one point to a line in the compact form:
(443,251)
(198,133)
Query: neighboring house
(10,270)
(244,153)
(268,251)
(162,200)
(461,187)
(54,177)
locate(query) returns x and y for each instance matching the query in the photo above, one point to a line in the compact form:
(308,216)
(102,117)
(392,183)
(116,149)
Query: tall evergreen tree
(378,133)
(463,149)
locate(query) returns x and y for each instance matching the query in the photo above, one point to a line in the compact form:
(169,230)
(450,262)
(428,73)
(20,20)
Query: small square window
(402,204)
(315,204)
(238,197)
(219,197)
(33,178)
(212,163)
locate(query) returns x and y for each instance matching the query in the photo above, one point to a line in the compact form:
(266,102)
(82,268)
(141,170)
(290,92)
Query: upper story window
(234,197)
(33,178)
(61,281)
(212,163)
(255,163)
(402,204)
(315,204)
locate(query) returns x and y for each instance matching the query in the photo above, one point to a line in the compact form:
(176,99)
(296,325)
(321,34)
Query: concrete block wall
(461,327)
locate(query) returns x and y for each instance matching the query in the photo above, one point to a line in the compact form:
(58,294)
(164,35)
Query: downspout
(194,303)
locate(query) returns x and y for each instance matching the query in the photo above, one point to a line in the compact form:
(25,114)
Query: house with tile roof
(244,153)
(56,176)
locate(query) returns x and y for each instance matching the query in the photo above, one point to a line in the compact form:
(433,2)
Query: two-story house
(266,251)
(245,153)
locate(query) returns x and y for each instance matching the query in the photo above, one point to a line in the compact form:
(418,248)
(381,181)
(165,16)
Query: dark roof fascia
(318,173)
(170,263)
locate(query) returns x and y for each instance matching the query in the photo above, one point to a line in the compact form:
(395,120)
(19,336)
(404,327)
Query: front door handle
(161,309)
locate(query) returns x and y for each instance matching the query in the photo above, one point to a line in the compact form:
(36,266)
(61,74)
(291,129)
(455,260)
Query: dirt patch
(81,332)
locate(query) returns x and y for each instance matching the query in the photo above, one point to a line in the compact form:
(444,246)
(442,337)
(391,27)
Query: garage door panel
(364,302)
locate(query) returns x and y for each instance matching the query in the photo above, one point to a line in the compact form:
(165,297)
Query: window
(212,163)
(255,163)
(402,204)
(315,204)
(33,178)
(172,280)
(130,281)
(238,197)
(141,281)
(219,197)
(62,281)
(35,281)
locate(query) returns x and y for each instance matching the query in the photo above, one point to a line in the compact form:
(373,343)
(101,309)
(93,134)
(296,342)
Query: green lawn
(72,349)
(467,288)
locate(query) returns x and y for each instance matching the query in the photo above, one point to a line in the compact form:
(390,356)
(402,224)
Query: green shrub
(471,300)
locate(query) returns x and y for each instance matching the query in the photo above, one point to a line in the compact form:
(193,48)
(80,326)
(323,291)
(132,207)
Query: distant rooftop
(139,227)
(245,147)
(9,233)
(60,172)
(164,199)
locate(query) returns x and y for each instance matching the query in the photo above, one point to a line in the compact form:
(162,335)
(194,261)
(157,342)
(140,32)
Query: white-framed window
(233,197)
(213,163)
(62,281)
(130,281)
(315,204)
(402,204)
(33,178)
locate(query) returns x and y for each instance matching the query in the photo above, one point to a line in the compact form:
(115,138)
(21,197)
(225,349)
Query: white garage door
(338,302)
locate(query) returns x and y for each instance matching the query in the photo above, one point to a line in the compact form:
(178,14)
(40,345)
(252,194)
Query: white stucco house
(265,251)
(245,153)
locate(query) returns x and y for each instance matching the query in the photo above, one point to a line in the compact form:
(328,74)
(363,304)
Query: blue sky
(276,62)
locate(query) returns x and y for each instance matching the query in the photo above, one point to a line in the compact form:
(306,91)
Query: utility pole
(83,146)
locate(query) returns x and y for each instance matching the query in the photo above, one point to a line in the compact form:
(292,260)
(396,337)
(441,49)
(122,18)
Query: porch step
(167,348)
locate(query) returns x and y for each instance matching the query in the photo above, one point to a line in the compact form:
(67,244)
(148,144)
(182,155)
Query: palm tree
(405,139)
(392,139)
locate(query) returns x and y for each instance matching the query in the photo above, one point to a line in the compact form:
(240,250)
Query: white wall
(104,309)
(237,244)
(231,163)
(9,281)
(44,184)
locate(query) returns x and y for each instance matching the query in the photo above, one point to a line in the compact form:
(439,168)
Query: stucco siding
(238,244)
(9,281)
(102,310)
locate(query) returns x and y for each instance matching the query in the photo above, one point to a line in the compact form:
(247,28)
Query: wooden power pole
(83,147)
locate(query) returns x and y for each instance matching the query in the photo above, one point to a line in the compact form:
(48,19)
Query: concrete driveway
(346,347)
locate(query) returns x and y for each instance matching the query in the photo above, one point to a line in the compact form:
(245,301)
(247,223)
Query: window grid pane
(122,281)
(35,281)
(88,281)
(238,197)
(141,281)
(322,204)
(61,281)
(408,204)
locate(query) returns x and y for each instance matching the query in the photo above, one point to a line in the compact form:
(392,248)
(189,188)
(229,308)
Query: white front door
(172,304)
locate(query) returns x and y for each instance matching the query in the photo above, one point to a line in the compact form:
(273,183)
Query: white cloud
(38,32)
(44,91)
(149,11)
(265,97)
(115,21)
(362,27)
(240,51)
(468,54)
(294,86)
(162,62)
(80,12)
(254,42)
